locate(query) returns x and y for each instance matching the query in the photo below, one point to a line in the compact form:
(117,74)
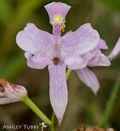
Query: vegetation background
(83,107)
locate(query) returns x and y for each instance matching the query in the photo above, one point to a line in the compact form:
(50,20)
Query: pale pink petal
(74,61)
(38,61)
(57,8)
(102,44)
(89,78)
(82,40)
(58,89)
(33,40)
(115,51)
(99,60)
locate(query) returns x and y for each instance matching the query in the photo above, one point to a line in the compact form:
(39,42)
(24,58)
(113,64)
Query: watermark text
(40,126)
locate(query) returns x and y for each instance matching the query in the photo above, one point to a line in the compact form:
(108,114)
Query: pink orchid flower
(58,52)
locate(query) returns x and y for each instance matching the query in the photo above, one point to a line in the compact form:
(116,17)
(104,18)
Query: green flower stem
(38,112)
(52,125)
(53,117)
(110,104)
(68,73)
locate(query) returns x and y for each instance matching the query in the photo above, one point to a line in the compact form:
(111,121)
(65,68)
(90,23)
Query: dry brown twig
(84,128)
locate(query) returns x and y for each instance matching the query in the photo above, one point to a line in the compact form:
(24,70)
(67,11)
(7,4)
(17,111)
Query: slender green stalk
(110,104)
(52,125)
(68,74)
(38,112)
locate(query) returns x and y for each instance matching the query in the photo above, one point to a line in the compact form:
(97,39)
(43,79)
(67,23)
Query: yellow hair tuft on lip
(58,19)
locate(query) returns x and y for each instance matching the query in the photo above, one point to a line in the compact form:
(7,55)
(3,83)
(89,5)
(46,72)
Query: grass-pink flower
(75,50)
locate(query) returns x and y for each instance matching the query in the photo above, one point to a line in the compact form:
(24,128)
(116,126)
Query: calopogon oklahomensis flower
(75,50)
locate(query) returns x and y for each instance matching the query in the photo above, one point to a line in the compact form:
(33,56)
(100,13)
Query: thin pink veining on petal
(79,35)
(33,40)
(82,40)
(58,89)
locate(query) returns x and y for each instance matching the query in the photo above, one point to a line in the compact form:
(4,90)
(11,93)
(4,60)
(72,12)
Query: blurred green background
(83,107)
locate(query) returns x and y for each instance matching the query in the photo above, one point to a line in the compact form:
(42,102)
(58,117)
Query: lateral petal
(58,89)
(89,78)
(33,40)
(83,40)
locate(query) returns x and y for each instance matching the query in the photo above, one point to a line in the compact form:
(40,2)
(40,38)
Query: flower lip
(57,9)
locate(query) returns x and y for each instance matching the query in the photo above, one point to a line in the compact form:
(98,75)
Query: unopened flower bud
(10,92)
